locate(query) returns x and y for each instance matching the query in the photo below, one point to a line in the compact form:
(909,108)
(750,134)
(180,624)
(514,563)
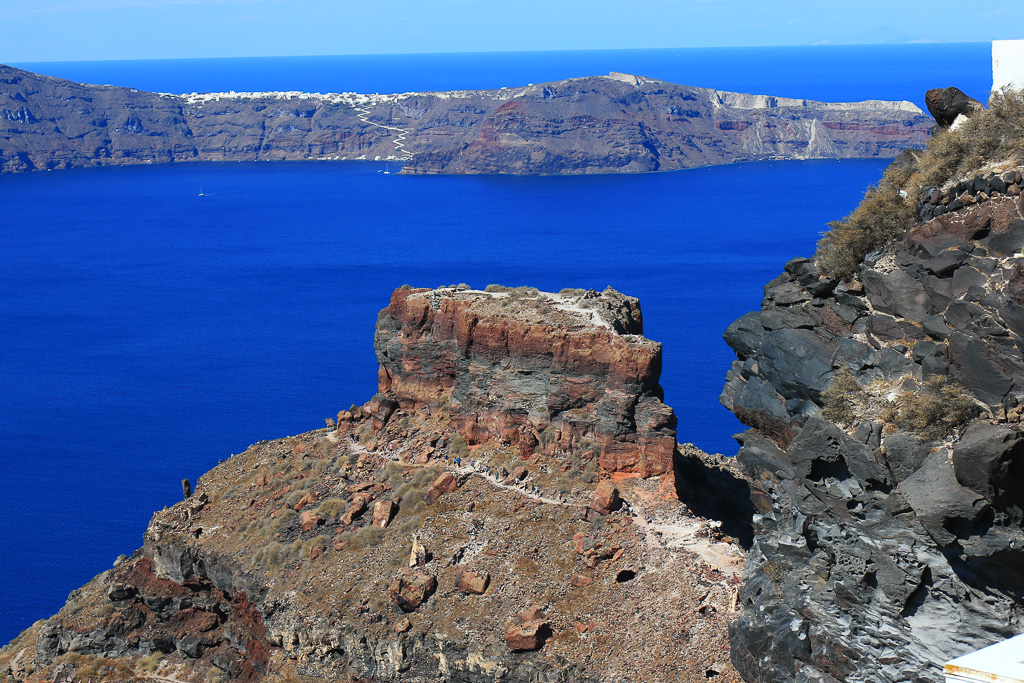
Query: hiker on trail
(458,462)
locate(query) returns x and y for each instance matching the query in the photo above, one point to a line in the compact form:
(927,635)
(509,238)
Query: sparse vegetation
(996,134)
(150,662)
(935,410)
(497,288)
(775,570)
(332,507)
(880,218)
(458,448)
(839,398)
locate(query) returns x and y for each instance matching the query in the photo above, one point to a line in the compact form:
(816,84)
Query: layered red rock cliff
(559,373)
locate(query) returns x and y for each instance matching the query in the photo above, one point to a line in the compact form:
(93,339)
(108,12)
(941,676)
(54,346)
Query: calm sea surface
(146,333)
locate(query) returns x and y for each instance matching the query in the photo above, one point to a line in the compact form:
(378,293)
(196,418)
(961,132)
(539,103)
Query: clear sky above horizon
(72,30)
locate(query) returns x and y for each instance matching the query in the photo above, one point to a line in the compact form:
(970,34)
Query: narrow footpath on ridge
(679,529)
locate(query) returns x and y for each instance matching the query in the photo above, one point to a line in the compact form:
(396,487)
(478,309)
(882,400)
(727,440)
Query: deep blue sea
(146,333)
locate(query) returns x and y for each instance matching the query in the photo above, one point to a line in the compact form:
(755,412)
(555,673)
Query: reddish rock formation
(446,483)
(531,631)
(472,583)
(515,476)
(605,499)
(568,372)
(383,511)
(310,521)
(411,587)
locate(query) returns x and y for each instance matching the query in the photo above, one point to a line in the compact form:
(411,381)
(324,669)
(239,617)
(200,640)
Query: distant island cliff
(600,124)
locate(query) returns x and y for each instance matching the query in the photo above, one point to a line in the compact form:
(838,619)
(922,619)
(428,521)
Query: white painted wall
(1007,64)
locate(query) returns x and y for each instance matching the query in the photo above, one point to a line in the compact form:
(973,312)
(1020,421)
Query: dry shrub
(996,134)
(368,536)
(332,507)
(880,218)
(935,410)
(149,663)
(458,448)
(839,398)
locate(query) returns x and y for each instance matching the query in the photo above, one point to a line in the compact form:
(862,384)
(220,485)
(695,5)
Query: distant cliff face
(558,373)
(617,124)
(889,536)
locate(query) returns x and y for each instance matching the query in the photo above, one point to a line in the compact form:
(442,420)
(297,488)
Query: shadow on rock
(712,487)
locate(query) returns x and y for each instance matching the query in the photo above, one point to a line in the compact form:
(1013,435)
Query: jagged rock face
(584,125)
(880,554)
(546,370)
(153,614)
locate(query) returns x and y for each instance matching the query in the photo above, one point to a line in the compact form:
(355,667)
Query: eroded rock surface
(881,552)
(560,372)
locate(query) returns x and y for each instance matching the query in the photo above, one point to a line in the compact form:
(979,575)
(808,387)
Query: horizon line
(497,52)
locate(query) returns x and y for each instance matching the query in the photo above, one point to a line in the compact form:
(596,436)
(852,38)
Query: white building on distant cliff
(1007,64)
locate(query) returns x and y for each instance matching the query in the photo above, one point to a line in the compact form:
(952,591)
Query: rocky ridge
(386,547)
(886,451)
(601,124)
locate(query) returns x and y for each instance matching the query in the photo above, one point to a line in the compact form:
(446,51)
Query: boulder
(307,499)
(580,581)
(355,509)
(472,583)
(945,104)
(381,409)
(446,483)
(310,521)
(989,460)
(530,633)
(418,555)
(518,474)
(411,587)
(383,511)
(605,498)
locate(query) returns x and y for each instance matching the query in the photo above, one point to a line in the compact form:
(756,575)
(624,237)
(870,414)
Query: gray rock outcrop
(883,549)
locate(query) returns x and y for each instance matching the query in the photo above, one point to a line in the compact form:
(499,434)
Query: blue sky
(58,30)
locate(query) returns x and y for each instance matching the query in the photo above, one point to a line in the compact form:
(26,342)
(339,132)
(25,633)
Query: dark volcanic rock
(945,104)
(878,553)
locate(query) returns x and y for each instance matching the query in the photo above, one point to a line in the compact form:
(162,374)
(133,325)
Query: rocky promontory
(505,509)
(601,124)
